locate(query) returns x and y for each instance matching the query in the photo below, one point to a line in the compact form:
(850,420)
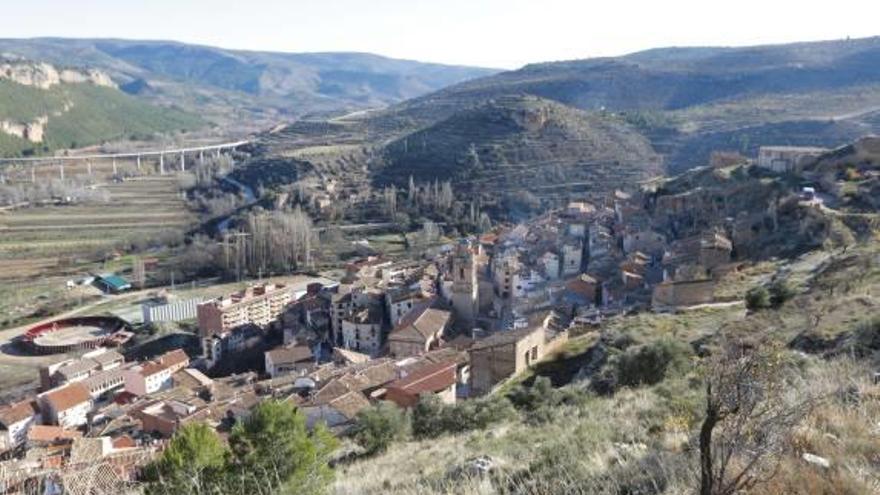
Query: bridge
(137,156)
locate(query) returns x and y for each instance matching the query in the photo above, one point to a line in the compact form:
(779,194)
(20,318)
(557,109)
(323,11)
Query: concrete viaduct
(179,153)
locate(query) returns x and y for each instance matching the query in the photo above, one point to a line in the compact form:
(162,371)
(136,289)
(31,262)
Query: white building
(16,420)
(155,375)
(67,407)
(362,331)
(783,159)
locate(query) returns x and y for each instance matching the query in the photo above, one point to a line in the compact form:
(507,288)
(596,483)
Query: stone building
(787,159)
(504,354)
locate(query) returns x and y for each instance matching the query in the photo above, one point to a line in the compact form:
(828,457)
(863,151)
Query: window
(534,353)
(461,273)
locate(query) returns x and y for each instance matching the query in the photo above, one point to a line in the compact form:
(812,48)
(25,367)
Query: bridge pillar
(34,173)
(89,166)
(139,163)
(182,162)
(61,168)
(114,165)
(161,164)
(201,157)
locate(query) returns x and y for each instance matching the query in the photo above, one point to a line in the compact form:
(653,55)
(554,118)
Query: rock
(816,460)
(476,467)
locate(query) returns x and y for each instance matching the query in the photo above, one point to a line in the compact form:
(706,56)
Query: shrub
(381,425)
(780,292)
(757,298)
(431,418)
(541,400)
(652,363)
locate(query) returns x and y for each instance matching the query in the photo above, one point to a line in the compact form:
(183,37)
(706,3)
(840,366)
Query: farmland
(41,247)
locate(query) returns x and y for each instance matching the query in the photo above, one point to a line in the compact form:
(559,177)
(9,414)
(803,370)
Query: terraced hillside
(523,142)
(43,246)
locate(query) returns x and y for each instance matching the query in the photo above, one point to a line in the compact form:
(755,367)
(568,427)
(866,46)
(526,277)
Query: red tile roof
(429,378)
(68,397)
(16,413)
(45,433)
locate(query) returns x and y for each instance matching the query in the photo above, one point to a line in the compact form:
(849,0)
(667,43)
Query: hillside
(263,87)
(622,407)
(41,112)
(522,142)
(691,100)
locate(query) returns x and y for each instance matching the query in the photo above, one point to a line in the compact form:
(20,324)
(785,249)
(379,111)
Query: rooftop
(68,396)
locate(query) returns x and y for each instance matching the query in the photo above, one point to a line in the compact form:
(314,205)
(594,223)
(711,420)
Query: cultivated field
(41,247)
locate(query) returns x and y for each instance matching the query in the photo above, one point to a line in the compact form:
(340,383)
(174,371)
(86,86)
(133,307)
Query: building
(550,263)
(671,294)
(582,291)
(15,422)
(465,286)
(74,370)
(572,254)
(401,302)
(164,310)
(155,375)
(362,330)
(67,407)
(258,305)
(296,359)
(787,159)
(419,331)
(112,283)
(435,379)
(502,355)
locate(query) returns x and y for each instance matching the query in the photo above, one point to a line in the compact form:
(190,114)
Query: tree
(757,298)
(651,363)
(193,462)
(274,447)
(379,426)
(747,419)
(780,292)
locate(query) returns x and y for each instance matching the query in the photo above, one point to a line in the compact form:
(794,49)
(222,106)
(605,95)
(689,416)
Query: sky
(501,34)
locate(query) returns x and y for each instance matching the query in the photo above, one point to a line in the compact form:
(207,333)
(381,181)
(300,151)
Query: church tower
(465,286)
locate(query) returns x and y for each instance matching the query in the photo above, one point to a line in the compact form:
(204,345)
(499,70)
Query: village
(458,323)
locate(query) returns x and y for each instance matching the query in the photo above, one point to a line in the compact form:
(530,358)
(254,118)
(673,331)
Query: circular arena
(69,334)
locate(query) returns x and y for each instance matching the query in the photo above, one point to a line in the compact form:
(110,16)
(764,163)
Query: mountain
(262,87)
(45,108)
(690,101)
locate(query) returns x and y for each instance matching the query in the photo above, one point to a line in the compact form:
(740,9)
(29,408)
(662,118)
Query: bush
(431,418)
(757,298)
(780,292)
(652,363)
(541,400)
(381,425)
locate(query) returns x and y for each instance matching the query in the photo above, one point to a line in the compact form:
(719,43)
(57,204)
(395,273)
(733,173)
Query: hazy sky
(494,33)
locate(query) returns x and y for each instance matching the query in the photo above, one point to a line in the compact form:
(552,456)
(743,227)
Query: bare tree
(748,418)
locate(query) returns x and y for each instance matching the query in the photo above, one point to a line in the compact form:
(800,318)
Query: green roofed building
(112,283)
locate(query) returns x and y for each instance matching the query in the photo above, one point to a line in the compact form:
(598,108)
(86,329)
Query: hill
(682,98)
(43,108)
(262,86)
(522,142)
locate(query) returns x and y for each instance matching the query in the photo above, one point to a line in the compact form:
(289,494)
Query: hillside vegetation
(82,115)
(523,142)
